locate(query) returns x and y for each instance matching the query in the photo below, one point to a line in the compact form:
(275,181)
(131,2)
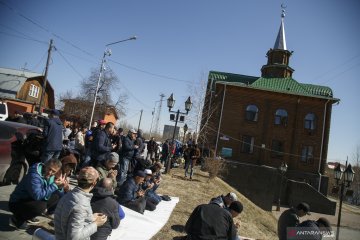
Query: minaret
(278,58)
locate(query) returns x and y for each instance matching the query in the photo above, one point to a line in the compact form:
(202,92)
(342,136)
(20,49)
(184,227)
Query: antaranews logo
(297,233)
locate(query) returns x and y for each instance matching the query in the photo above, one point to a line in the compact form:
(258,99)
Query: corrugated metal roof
(12,80)
(282,85)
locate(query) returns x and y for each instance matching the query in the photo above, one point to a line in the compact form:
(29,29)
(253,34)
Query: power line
(335,68)
(37,65)
(88,53)
(72,67)
(341,73)
(26,38)
(45,29)
(150,73)
(128,91)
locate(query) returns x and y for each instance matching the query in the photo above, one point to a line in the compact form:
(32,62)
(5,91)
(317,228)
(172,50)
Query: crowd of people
(112,170)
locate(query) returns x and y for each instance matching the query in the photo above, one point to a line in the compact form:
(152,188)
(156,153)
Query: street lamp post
(342,182)
(170,104)
(107,52)
(282,169)
(185,130)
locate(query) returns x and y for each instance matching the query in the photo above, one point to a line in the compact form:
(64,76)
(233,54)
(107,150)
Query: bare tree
(59,104)
(108,90)
(203,110)
(78,107)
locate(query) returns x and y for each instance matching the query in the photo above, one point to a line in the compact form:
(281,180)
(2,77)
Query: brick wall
(293,135)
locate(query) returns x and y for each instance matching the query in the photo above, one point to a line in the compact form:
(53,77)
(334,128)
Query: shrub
(214,166)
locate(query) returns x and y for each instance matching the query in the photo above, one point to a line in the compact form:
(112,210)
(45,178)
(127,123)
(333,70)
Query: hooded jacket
(53,135)
(34,186)
(103,202)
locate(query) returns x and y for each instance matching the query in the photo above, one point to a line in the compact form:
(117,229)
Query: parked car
(4,114)
(14,149)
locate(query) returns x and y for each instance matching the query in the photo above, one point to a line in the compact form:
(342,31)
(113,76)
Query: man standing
(209,221)
(290,218)
(34,194)
(102,143)
(194,156)
(127,153)
(53,137)
(151,150)
(74,218)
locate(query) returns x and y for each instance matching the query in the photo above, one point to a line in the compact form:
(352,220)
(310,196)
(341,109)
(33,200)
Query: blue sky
(184,40)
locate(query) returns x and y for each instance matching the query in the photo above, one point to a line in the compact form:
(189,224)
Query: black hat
(236,206)
(323,221)
(139,173)
(304,206)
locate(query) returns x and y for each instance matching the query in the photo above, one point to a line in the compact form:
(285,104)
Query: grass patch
(254,222)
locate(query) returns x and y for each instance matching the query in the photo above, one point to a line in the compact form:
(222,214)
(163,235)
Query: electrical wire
(150,73)
(71,66)
(320,76)
(38,64)
(127,90)
(26,38)
(44,28)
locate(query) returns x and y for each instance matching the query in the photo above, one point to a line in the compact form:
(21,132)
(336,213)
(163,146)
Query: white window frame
(34,91)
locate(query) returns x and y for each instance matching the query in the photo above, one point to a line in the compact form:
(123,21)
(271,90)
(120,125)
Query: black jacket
(287,219)
(103,202)
(209,221)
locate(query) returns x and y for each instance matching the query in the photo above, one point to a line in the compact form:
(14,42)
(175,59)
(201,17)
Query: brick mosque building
(270,119)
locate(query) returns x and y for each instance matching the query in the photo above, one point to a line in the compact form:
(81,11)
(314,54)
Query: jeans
(189,163)
(47,155)
(87,157)
(123,170)
(28,209)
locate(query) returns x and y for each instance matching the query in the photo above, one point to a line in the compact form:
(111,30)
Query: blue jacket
(53,135)
(127,150)
(101,145)
(127,191)
(34,186)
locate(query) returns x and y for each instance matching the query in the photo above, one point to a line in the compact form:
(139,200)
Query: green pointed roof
(283,85)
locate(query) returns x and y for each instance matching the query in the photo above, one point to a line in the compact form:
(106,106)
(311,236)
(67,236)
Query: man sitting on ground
(224,201)
(132,196)
(210,221)
(106,168)
(290,218)
(74,218)
(149,186)
(103,202)
(34,194)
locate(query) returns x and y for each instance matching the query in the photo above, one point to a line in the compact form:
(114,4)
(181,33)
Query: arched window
(252,113)
(309,123)
(281,117)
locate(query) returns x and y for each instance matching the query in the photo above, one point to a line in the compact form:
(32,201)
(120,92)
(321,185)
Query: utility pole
(141,111)
(152,119)
(157,121)
(45,76)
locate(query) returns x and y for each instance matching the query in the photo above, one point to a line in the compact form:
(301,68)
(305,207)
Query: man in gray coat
(74,218)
